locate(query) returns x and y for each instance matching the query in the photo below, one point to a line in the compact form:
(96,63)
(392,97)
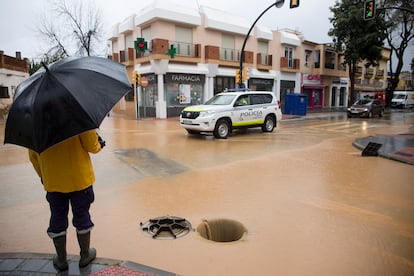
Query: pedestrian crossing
(346,127)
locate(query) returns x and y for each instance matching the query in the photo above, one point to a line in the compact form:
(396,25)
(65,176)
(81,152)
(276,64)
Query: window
(146,34)
(129,43)
(184,38)
(227,51)
(4,92)
(263,48)
(222,83)
(317,58)
(308,54)
(289,56)
(257,99)
(242,100)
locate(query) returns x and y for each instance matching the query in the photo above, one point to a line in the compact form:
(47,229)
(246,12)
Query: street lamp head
(279,3)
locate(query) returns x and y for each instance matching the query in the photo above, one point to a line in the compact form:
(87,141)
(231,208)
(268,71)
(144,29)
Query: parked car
(229,110)
(403,99)
(366,108)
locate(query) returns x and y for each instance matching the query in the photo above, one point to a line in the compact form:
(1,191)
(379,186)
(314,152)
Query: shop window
(223,83)
(184,94)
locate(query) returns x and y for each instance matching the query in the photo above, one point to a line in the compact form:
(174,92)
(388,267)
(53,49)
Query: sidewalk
(395,147)
(41,264)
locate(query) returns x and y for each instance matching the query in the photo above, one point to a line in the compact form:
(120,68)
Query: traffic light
(294,4)
(238,76)
(140,45)
(138,78)
(369,9)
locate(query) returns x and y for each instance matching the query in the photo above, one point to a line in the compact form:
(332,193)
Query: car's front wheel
(269,124)
(222,129)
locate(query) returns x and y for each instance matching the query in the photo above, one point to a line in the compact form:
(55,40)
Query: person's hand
(101,142)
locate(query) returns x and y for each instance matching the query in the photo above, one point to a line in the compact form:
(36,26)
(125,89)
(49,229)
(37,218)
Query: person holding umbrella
(55,114)
(66,172)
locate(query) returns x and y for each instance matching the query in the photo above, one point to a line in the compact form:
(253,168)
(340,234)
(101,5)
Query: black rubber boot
(59,260)
(87,255)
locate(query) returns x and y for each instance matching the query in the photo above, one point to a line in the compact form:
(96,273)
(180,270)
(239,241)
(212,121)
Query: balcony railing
(264,59)
(369,72)
(379,73)
(229,54)
(293,64)
(183,48)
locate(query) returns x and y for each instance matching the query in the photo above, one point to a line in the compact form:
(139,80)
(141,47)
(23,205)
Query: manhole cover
(166,227)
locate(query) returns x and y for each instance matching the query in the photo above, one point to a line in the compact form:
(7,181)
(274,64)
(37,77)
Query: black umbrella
(64,99)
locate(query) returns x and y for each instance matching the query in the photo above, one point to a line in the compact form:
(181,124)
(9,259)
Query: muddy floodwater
(310,203)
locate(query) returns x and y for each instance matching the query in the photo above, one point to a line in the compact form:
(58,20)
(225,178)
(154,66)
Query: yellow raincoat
(67,167)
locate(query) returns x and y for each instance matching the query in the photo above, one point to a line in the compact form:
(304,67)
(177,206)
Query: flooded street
(311,204)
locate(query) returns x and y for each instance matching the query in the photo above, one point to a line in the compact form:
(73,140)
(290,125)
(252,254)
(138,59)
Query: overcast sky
(19,18)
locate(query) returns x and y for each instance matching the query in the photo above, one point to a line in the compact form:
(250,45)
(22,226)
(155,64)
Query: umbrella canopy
(64,99)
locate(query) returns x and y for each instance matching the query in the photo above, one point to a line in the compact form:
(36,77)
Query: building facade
(207,45)
(13,70)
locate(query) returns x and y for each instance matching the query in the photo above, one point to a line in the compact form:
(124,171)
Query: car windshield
(399,96)
(362,102)
(221,99)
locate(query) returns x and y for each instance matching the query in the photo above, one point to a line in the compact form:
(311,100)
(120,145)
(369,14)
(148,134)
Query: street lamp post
(277,4)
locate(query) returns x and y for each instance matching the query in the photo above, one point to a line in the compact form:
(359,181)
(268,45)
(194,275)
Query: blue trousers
(80,202)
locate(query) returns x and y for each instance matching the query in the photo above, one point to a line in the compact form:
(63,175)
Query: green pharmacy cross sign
(140,45)
(172,51)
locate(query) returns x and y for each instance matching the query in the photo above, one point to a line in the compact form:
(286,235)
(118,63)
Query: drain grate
(166,227)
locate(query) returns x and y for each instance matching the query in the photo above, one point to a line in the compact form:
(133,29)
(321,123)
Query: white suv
(229,110)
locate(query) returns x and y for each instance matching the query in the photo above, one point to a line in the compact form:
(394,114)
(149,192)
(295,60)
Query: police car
(230,110)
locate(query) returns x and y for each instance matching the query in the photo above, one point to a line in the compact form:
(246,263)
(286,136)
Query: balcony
(263,61)
(289,65)
(185,52)
(358,71)
(226,56)
(369,72)
(379,74)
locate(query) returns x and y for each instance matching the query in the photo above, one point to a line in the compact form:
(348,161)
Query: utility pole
(277,4)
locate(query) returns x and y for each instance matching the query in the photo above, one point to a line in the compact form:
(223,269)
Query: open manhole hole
(166,227)
(221,230)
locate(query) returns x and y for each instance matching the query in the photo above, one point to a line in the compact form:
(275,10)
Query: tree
(359,39)
(412,66)
(400,15)
(72,29)
(46,59)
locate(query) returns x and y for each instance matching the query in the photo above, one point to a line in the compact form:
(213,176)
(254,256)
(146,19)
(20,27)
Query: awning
(289,38)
